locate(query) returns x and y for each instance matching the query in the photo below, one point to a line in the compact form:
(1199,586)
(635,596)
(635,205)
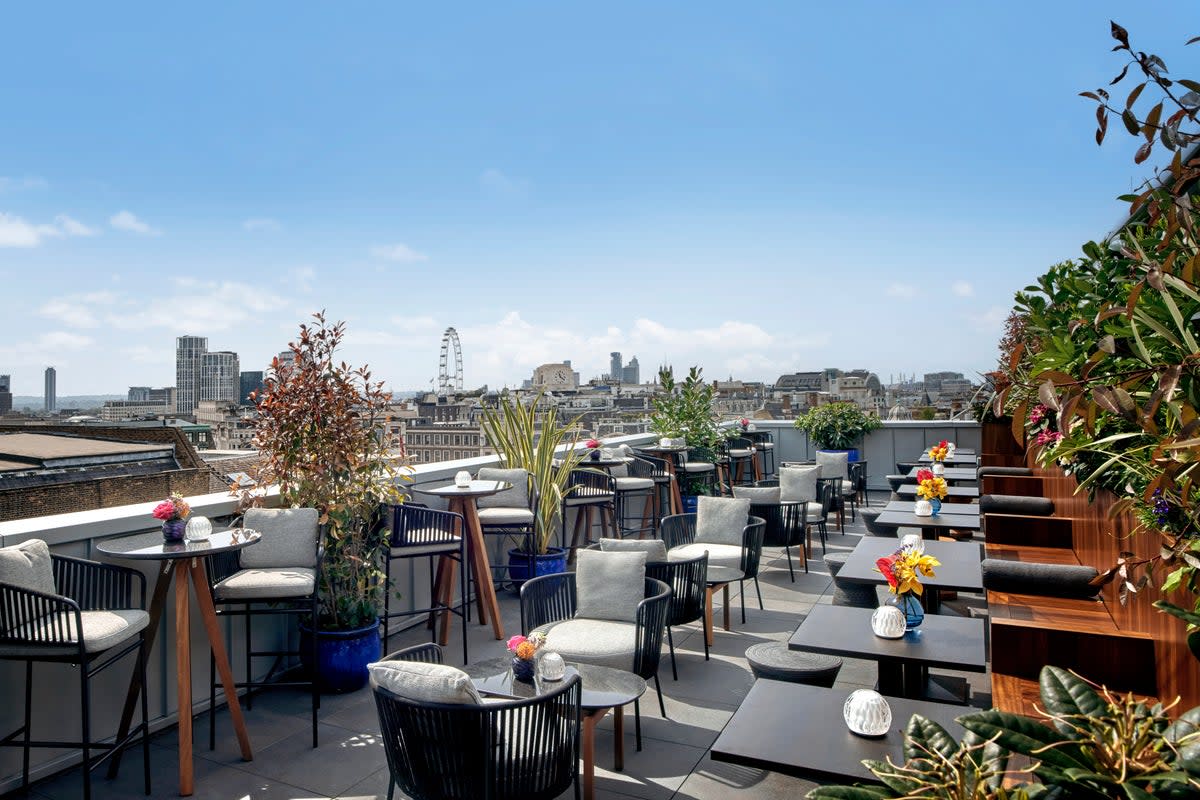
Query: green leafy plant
(322,437)
(530,436)
(837,426)
(686,409)
(1096,745)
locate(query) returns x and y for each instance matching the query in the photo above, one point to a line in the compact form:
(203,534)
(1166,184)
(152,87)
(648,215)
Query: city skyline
(756,193)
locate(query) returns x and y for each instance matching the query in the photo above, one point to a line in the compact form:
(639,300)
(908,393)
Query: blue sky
(754,188)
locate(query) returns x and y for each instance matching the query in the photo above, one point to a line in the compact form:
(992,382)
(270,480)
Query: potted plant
(838,426)
(529,436)
(322,438)
(684,410)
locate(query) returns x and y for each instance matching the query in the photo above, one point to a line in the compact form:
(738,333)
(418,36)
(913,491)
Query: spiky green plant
(529,436)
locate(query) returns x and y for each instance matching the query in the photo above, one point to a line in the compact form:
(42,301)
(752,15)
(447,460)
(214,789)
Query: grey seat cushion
(609,585)
(741,452)
(814,512)
(289,538)
(699,466)
(507,516)
(759,495)
(655,549)
(1016,504)
(101,630)
(634,484)
(798,484)
(516,497)
(721,520)
(603,642)
(834,465)
(258,584)
(425,683)
(722,555)
(1050,580)
(27,566)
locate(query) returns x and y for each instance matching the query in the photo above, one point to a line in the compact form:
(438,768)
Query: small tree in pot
(837,426)
(323,440)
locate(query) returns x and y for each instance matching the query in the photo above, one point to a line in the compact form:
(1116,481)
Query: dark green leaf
(847,793)
(1065,694)
(1023,735)
(924,736)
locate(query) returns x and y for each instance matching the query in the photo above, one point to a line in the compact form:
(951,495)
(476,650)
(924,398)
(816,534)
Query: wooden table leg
(209,614)
(459,506)
(447,596)
(725,598)
(756,460)
(183,676)
(708,615)
(676,494)
(483,569)
(587,747)
(157,603)
(619,740)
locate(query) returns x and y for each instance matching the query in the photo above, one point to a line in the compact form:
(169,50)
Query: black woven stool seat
(775,661)
(835,561)
(859,595)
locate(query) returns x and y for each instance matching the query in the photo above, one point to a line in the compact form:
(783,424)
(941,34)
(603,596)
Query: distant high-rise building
(51,402)
(614,366)
(138,394)
(189,355)
(631,373)
(250,382)
(5,394)
(145,395)
(220,377)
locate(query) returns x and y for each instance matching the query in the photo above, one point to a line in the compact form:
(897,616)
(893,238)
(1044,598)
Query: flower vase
(523,669)
(173,530)
(939,469)
(923,508)
(935,505)
(910,604)
(594,455)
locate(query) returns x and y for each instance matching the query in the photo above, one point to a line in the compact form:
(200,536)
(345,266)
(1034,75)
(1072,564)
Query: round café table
(668,454)
(604,689)
(183,561)
(462,501)
(718,578)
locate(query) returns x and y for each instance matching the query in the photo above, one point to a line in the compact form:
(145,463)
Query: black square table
(953,474)
(954,493)
(957,509)
(959,459)
(960,569)
(943,521)
(799,730)
(948,642)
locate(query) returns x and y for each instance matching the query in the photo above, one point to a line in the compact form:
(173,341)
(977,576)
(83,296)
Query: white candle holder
(462,479)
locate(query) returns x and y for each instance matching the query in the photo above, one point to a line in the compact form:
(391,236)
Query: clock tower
(555,378)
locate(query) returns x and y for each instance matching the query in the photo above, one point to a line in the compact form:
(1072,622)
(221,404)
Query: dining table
(960,569)
(954,494)
(952,474)
(463,500)
(947,520)
(183,563)
(669,454)
(954,509)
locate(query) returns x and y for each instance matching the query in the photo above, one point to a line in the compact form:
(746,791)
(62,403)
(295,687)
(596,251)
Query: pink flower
(593,443)
(1037,414)
(164,511)
(1049,437)
(515,642)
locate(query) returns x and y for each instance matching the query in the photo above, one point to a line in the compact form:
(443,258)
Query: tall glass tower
(51,402)
(189,359)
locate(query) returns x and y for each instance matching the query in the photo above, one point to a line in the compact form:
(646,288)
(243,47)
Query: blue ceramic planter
(689,503)
(519,563)
(342,656)
(851,453)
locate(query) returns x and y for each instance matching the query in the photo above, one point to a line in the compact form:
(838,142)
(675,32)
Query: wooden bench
(1029,631)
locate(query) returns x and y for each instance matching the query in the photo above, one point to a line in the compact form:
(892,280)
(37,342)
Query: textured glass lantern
(551,666)
(867,713)
(888,622)
(198,529)
(462,479)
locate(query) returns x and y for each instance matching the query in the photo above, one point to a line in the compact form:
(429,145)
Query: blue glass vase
(173,530)
(910,604)
(936,504)
(523,669)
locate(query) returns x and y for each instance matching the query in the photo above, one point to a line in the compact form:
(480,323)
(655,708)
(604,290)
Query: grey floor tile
(344,759)
(713,780)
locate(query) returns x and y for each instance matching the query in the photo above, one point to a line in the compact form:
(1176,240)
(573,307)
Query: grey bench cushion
(289,538)
(606,643)
(498,515)
(425,683)
(1050,580)
(259,584)
(1016,504)
(27,566)
(981,471)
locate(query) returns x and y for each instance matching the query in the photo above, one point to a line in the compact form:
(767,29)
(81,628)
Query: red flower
(924,475)
(884,565)
(593,443)
(943,444)
(164,511)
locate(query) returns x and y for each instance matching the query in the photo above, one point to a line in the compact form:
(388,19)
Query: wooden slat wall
(1098,539)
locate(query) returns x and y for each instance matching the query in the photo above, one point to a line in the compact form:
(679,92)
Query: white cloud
(261,224)
(73,227)
(302,278)
(399,252)
(53,347)
(81,310)
(962,288)
(901,290)
(992,320)
(128,221)
(496,184)
(17,232)
(415,324)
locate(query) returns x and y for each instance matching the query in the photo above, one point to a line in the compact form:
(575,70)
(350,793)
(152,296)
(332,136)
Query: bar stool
(765,445)
(589,490)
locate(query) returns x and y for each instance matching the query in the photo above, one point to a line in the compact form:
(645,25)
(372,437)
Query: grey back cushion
(425,683)
(516,497)
(655,549)
(1050,580)
(27,566)
(289,538)
(609,585)
(798,484)
(721,520)
(834,465)
(1016,504)
(759,495)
